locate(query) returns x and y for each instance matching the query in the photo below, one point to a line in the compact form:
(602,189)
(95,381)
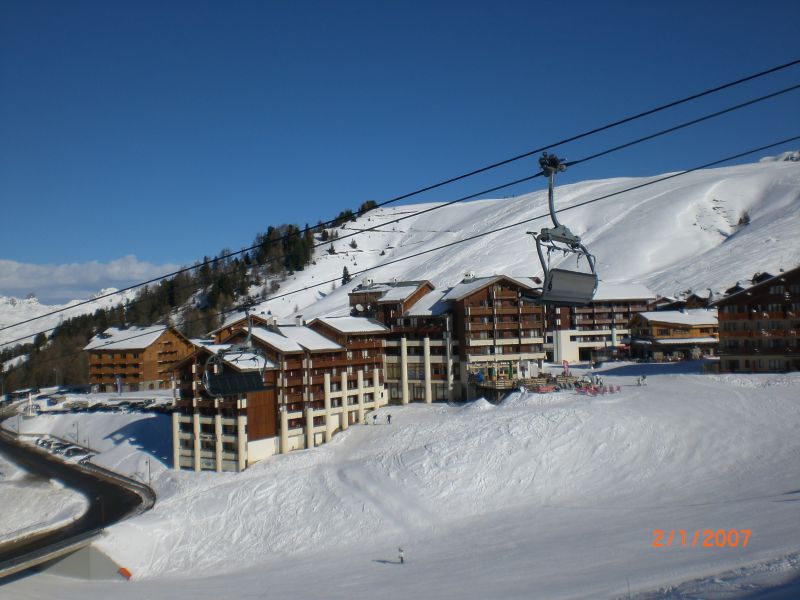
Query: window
(776,289)
(365,353)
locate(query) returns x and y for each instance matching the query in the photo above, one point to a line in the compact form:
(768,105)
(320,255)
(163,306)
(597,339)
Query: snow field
(32,505)
(545,496)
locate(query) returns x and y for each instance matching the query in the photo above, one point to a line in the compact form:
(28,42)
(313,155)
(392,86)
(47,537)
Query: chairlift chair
(219,384)
(562,287)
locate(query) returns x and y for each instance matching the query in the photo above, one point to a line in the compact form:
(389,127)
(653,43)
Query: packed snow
(32,505)
(544,495)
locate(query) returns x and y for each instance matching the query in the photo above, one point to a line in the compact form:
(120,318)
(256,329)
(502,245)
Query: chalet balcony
(365,345)
(507,310)
(505,295)
(479,326)
(531,324)
(509,325)
(479,310)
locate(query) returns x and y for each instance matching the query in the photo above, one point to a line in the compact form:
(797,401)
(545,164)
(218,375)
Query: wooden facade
(759,326)
(674,335)
(136,359)
(499,333)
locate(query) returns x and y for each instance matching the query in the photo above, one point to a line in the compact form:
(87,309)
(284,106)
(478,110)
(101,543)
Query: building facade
(136,358)
(759,326)
(313,387)
(582,333)
(674,335)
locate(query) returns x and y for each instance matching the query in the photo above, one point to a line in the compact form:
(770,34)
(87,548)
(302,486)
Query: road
(109,500)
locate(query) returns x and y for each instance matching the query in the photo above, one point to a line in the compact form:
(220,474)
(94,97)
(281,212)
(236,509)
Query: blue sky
(166,131)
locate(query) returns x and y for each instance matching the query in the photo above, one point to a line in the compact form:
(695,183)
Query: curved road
(109,500)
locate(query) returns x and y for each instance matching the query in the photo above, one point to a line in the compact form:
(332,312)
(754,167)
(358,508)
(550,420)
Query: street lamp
(77,432)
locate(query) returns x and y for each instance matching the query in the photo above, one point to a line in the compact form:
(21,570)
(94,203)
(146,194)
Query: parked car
(73,451)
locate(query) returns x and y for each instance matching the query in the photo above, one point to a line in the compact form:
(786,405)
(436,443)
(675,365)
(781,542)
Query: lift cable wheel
(562,287)
(249,360)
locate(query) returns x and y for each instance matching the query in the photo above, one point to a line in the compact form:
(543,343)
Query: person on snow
(644,379)
(389,419)
(374,419)
(401,556)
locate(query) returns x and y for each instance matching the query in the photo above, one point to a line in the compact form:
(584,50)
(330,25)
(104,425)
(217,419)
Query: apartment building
(313,386)
(135,358)
(600,328)
(759,325)
(674,335)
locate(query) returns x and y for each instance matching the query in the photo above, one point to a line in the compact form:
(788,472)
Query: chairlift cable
(422,190)
(479,235)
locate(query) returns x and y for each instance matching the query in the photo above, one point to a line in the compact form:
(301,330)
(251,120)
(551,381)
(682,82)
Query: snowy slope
(15,310)
(543,496)
(32,505)
(674,235)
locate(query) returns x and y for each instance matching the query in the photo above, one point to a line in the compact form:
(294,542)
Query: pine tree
(345,276)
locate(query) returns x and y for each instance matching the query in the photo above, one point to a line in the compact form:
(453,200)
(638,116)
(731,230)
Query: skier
(389,419)
(374,419)
(644,379)
(638,381)
(401,556)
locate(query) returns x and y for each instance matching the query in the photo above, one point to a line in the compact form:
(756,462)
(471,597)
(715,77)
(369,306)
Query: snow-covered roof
(308,338)
(617,291)
(430,305)
(398,294)
(241,361)
(354,324)
(698,316)
(465,288)
(133,338)
(276,340)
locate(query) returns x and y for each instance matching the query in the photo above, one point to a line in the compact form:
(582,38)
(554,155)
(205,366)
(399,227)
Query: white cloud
(61,283)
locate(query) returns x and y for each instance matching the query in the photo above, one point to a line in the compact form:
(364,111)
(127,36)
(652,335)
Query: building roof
(400,293)
(353,324)
(617,291)
(307,338)
(470,286)
(698,316)
(276,340)
(395,291)
(294,338)
(760,283)
(132,338)
(431,304)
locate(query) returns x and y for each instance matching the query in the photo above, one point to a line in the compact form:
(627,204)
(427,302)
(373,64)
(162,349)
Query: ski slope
(672,236)
(542,496)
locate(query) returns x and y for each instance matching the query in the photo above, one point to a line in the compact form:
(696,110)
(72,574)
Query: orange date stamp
(701,538)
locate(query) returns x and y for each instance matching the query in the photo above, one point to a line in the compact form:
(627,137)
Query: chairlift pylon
(562,287)
(218,384)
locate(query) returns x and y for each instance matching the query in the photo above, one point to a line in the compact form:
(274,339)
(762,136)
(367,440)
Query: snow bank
(32,505)
(551,496)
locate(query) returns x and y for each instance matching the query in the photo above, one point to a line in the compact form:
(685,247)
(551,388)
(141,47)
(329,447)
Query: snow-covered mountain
(16,310)
(678,234)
